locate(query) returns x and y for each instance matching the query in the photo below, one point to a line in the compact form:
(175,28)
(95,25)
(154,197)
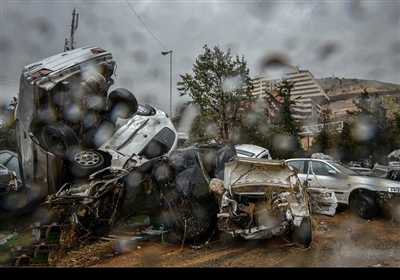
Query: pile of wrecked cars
(91,157)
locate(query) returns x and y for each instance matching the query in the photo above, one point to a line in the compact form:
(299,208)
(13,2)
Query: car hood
(131,138)
(243,171)
(256,177)
(379,184)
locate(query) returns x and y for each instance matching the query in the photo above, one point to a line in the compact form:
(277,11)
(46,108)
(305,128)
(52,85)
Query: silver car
(367,195)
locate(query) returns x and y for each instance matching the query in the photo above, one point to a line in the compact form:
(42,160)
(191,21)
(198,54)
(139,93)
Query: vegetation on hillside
(336,86)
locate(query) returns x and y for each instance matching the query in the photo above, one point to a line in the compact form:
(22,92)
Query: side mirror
(8,180)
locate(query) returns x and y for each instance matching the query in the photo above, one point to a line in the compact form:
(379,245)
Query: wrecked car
(264,198)
(173,190)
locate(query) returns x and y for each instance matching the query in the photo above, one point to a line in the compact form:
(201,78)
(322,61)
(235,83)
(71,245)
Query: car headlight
(394,189)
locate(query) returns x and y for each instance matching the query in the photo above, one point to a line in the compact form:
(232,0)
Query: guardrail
(313,129)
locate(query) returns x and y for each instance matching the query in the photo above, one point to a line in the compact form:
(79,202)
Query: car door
(319,174)
(322,200)
(316,173)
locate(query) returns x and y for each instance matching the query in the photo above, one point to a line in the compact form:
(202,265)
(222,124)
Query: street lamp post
(170,81)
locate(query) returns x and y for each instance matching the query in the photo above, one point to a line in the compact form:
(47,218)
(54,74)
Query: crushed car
(262,198)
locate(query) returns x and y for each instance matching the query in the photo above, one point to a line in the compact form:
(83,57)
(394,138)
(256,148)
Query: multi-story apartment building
(312,96)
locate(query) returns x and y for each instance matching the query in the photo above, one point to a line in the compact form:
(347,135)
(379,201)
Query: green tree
(322,142)
(220,88)
(254,127)
(393,133)
(8,139)
(285,130)
(347,143)
(281,106)
(325,141)
(371,126)
(13,104)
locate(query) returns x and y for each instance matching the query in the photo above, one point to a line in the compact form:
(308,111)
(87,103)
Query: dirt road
(340,241)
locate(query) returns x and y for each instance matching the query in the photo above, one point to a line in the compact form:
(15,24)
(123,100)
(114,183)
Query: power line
(146,26)
(298,24)
(13,83)
(9,84)
(287,35)
(9,77)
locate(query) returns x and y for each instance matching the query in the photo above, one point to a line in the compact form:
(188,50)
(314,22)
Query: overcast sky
(347,39)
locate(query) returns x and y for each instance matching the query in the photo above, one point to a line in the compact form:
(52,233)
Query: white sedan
(253,151)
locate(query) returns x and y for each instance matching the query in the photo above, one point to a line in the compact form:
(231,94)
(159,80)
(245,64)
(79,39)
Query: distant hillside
(343,91)
(336,86)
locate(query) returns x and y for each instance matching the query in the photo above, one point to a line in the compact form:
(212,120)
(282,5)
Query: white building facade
(312,96)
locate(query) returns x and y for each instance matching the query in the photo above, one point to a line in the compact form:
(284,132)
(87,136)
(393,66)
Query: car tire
(365,206)
(59,139)
(38,122)
(303,234)
(86,162)
(122,104)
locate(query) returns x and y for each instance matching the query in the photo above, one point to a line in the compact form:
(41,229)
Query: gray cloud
(352,39)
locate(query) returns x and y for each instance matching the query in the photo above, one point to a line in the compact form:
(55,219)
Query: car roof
(9,152)
(251,148)
(313,159)
(328,161)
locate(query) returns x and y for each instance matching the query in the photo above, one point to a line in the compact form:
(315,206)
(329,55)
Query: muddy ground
(344,240)
(340,241)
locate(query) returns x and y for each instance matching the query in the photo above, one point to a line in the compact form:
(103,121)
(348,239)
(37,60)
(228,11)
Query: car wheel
(303,234)
(38,122)
(86,162)
(122,103)
(365,206)
(59,139)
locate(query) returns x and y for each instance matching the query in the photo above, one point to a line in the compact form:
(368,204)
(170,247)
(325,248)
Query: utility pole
(170,81)
(70,45)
